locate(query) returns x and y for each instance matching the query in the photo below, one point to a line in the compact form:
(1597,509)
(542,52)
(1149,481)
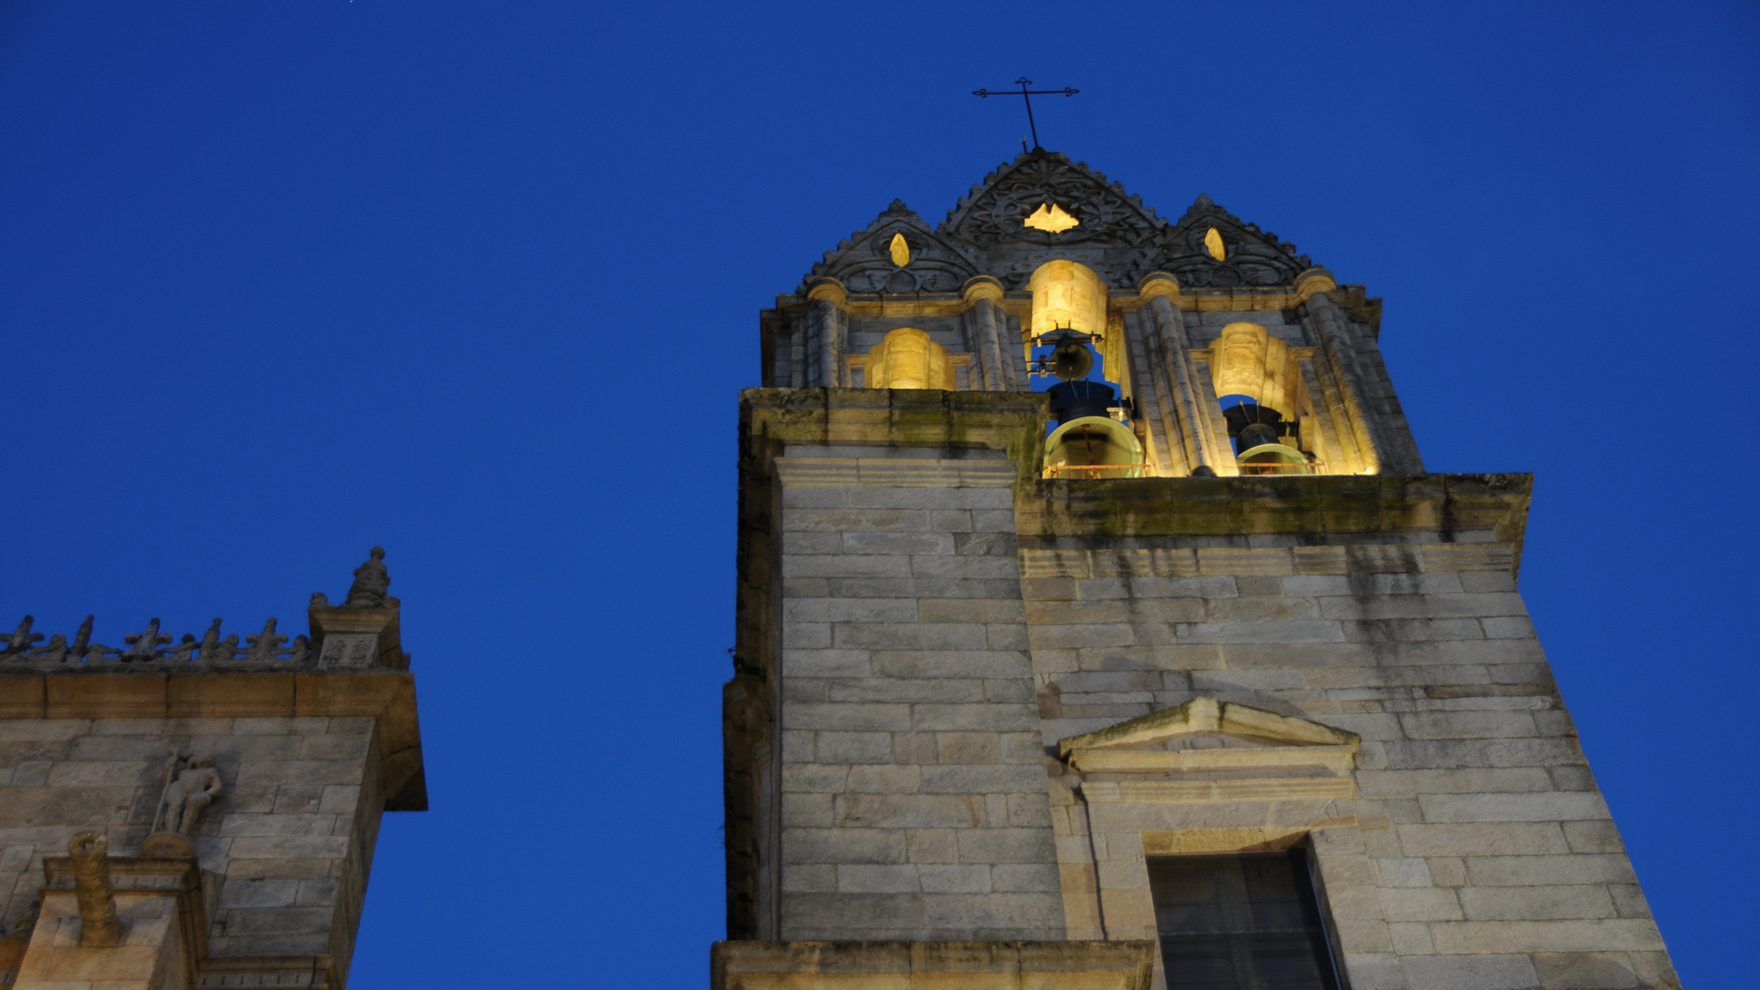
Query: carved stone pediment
(1251,257)
(864,263)
(1205,734)
(988,233)
(1115,234)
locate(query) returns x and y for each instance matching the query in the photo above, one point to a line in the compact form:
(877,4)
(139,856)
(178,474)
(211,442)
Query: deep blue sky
(479,282)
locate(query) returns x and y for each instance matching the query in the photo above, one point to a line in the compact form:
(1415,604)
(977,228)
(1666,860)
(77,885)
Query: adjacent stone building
(200,814)
(1212,686)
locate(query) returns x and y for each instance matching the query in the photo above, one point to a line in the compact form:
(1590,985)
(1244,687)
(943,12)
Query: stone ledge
(1325,507)
(387,696)
(883,417)
(931,965)
(304,972)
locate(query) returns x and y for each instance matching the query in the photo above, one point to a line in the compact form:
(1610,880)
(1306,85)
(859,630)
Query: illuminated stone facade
(973,706)
(291,751)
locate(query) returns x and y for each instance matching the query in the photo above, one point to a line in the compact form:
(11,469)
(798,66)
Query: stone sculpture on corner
(361,632)
(371,582)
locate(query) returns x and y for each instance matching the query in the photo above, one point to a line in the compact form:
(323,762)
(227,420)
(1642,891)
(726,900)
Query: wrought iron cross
(1027,94)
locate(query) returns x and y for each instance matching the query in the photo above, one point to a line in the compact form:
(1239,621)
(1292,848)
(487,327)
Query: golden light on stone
(1247,360)
(907,358)
(901,251)
(1213,244)
(1066,294)
(1051,218)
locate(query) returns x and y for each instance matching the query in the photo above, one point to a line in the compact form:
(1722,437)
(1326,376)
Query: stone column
(797,355)
(1333,329)
(1153,395)
(1194,433)
(983,293)
(828,296)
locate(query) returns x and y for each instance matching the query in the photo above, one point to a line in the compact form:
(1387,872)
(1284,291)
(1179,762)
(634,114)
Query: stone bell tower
(1185,673)
(201,814)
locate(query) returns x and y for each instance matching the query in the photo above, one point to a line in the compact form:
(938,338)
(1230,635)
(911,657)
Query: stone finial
(371,581)
(91,885)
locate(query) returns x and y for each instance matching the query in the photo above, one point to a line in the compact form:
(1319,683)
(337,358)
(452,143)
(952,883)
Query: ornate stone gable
(864,262)
(1250,256)
(1116,236)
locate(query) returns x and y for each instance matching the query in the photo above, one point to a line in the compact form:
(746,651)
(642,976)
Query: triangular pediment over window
(1208,734)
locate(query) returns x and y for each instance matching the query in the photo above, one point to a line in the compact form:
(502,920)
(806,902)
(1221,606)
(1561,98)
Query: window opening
(1088,436)
(1248,921)
(1257,433)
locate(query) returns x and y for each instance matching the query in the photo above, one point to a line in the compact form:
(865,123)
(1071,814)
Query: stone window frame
(1108,827)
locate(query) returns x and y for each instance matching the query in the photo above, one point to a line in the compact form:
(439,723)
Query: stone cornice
(389,697)
(1430,508)
(1007,421)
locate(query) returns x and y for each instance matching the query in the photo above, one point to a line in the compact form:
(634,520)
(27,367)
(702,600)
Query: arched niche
(1247,360)
(907,358)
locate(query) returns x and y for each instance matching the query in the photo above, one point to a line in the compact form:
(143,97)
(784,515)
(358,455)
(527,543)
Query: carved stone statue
(266,645)
(80,640)
(20,642)
(55,652)
(371,582)
(187,794)
(214,649)
(184,651)
(144,645)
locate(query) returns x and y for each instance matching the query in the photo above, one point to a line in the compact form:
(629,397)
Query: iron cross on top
(1027,94)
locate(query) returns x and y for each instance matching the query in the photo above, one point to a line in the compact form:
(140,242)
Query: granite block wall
(285,851)
(1477,854)
(914,801)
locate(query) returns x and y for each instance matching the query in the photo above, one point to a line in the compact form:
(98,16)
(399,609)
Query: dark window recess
(1249,921)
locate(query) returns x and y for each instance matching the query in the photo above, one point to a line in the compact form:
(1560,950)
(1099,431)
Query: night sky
(480,283)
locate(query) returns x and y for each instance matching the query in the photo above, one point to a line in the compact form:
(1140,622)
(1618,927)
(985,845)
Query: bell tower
(1099,626)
